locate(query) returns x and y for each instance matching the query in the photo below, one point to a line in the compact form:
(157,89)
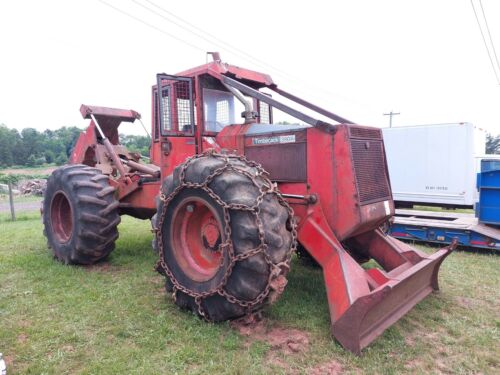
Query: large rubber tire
(249,277)
(80,215)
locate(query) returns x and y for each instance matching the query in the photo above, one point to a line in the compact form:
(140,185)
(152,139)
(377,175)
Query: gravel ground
(19,206)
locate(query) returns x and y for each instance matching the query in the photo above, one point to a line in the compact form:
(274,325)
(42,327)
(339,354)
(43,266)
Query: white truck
(434,164)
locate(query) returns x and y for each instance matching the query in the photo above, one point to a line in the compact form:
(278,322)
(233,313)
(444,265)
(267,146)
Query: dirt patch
(419,333)
(104,267)
(465,302)
(277,288)
(68,348)
(282,340)
(409,340)
(24,323)
(276,361)
(414,364)
(329,368)
(22,338)
(159,287)
(158,281)
(9,360)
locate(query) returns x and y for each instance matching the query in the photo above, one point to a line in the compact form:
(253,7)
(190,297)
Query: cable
(152,26)
(204,35)
(489,34)
(195,33)
(200,33)
(174,22)
(263,64)
(485,43)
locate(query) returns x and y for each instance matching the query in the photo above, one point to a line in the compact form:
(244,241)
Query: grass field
(115,318)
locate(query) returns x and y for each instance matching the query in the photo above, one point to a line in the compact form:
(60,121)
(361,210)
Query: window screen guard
(175,105)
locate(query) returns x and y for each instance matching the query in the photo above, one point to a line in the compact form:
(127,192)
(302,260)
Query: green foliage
(50,157)
(10,178)
(136,143)
(61,159)
(40,160)
(31,147)
(492,144)
(31,161)
(9,144)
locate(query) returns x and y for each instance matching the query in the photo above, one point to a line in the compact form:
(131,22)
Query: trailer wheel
(80,215)
(220,259)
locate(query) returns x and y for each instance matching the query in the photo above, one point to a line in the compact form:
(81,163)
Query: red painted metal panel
(232,138)
(86,140)
(364,303)
(284,162)
(141,203)
(180,148)
(126,115)
(217,68)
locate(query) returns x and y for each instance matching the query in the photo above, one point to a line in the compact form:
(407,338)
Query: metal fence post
(11,201)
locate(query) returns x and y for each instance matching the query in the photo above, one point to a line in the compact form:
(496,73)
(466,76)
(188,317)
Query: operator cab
(217,105)
(222,108)
(179,108)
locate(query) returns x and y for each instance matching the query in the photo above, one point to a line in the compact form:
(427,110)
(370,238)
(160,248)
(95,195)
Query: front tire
(222,259)
(80,215)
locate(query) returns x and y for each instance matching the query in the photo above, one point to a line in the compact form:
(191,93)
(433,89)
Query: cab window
(219,109)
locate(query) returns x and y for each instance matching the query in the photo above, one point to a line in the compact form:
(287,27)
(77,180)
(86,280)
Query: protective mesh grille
(183,103)
(222,111)
(371,173)
(165,98)
(265,116)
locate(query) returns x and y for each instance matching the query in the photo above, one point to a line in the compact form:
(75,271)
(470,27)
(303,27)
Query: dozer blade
(363,303)
(369,315)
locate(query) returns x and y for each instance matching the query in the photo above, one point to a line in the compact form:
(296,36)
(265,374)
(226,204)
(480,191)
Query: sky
(424,59)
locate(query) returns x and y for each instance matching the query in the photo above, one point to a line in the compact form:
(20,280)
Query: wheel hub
(61,217)
(196,237)
(211,235)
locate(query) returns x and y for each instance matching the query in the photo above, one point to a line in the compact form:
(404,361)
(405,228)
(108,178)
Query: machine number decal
(436,188)
(276,139)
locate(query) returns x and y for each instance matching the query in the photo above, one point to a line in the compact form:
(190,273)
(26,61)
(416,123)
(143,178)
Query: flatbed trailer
(443,227)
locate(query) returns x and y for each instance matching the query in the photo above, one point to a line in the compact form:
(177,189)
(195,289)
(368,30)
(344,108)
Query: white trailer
(434,164)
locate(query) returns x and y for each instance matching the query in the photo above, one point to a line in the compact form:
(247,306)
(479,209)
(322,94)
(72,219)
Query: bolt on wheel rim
(196,238)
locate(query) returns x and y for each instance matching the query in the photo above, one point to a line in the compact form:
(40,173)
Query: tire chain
(266,188)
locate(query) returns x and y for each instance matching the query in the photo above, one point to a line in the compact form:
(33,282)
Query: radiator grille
(371,173)
(371,133)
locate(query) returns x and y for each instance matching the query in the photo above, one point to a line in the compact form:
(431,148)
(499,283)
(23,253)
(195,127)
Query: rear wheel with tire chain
(80,214)
(193,229)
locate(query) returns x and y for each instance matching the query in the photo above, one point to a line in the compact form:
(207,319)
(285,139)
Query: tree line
(30,147)
(492,144)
